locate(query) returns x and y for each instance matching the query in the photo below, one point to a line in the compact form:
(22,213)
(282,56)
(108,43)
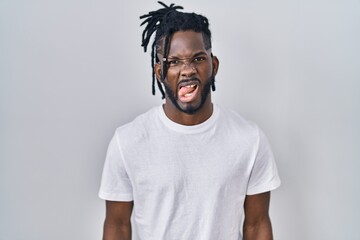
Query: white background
(71,71)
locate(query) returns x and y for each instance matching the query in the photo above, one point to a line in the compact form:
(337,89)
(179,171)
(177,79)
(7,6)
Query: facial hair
(190,109)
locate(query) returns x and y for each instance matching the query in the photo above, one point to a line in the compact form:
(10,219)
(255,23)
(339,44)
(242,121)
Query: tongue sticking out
(187,93)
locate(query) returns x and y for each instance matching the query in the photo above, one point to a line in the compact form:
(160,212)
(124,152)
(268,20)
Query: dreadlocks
(165,22)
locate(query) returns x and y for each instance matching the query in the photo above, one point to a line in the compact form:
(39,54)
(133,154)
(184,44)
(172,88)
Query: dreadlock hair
(165,22)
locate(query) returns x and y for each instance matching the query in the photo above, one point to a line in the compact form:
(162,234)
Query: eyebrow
(200,53)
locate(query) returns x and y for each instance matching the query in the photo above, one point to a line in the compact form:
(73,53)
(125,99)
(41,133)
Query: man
(189,169)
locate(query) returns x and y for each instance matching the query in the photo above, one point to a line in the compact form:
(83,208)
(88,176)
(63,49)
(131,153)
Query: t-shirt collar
(192,129)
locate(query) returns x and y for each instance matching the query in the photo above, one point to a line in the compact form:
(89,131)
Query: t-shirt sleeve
(115,182)
(264,175)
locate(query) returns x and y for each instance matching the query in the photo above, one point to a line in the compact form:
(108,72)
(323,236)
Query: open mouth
(187,91)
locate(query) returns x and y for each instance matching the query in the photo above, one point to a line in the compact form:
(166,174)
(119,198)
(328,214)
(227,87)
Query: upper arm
(264,175)
(119,212)
(115,181)
(257,224)
(117,222)
(256,207)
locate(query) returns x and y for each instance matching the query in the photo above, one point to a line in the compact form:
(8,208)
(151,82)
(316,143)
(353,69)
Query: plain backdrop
(72,71)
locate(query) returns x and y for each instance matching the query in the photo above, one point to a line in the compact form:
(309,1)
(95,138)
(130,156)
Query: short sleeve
(264,175)
(115,182)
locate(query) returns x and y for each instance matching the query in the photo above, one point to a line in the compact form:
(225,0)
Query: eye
(199,59)
(173,62)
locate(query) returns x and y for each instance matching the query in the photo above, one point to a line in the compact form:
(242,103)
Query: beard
(190,108)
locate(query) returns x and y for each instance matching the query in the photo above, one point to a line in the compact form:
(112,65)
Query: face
(191,70)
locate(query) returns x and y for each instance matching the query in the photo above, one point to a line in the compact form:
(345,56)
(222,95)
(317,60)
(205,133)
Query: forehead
(185,43)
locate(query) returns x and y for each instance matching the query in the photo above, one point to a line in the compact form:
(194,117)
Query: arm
(257,225)
(117,224)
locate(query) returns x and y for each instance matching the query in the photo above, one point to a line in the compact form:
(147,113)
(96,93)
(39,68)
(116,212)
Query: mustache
(188,80)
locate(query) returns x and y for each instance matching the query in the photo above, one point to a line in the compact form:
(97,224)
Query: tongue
(185,90)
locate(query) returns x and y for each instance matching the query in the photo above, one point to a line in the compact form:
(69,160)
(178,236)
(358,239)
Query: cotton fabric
(188,182)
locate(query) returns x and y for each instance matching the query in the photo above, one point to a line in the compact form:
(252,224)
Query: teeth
(190,86)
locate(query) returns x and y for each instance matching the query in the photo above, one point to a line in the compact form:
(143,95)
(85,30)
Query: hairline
(160,42)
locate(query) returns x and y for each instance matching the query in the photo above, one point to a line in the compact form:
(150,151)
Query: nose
(187,69)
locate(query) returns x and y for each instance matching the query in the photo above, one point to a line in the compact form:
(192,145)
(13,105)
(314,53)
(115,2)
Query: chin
(190,108)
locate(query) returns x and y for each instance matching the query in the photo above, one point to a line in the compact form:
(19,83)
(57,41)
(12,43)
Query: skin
(185,45)
(117,224)
(257,224)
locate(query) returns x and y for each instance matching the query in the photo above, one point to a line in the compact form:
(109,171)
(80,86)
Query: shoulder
(235,121)
(139,127)
(248,131)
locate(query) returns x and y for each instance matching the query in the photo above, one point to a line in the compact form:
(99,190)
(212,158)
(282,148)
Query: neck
(180,117)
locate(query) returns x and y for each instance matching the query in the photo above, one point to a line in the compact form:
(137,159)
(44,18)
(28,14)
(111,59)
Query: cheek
(171,80)
(206,71)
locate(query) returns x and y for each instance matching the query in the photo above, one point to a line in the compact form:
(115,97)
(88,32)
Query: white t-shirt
(188,182)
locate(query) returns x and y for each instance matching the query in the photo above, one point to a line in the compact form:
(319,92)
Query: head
(175,30)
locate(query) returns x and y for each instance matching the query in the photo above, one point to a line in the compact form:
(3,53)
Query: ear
(215,63)
(157,68)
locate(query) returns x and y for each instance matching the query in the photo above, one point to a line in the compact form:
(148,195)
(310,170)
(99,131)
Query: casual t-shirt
(188,182)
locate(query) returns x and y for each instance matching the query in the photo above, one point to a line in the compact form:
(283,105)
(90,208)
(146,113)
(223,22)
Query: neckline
(192,129)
